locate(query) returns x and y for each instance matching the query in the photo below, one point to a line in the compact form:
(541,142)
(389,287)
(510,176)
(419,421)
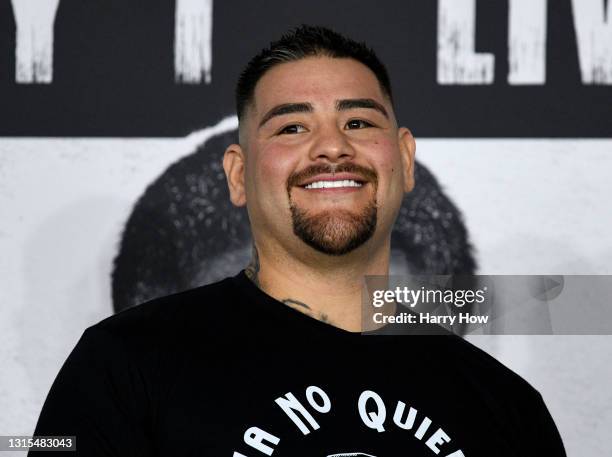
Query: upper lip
(333,177)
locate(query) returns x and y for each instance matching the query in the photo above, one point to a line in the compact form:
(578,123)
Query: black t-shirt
(226,370)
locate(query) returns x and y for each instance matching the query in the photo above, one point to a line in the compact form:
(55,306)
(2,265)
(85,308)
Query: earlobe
(407,149)
(234,167)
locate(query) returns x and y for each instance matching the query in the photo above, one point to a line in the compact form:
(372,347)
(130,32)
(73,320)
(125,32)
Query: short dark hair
(299,43)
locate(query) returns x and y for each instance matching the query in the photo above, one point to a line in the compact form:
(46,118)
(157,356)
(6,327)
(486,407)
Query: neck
(323,287)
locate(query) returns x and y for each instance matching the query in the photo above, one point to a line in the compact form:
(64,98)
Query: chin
(334,233)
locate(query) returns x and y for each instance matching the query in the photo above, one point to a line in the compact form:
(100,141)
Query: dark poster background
(113,69)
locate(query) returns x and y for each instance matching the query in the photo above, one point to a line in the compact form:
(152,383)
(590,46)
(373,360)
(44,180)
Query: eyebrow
(341,105)
(369,103)
(286,108)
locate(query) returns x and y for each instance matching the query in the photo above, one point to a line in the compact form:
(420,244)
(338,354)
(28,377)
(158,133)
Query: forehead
(317,80)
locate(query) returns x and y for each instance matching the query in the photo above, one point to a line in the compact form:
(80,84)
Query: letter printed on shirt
(255,437)
(289,404)
(372,420)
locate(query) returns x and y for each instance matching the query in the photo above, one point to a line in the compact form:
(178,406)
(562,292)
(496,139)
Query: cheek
(387,161)
(273,167)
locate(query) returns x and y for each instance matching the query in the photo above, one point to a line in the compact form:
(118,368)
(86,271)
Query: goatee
(336,232)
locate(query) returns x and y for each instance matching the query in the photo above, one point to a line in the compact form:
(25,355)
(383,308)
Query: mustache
(325,168)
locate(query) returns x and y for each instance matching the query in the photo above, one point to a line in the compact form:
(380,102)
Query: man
(272,360)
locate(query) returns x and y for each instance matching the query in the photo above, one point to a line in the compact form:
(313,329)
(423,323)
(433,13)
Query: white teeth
(330,184)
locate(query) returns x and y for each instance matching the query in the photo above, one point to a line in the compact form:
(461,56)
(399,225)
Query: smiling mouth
(334,184)
(345,178)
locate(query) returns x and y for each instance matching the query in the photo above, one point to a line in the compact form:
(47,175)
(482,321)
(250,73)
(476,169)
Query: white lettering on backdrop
(193,41)
(457,59)
(527,42)
(34,21)
(593,25)
(458,62)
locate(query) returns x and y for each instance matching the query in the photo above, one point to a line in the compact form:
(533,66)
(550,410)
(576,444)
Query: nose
(331,143)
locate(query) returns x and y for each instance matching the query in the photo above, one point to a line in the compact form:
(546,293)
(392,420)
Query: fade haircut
(299,43)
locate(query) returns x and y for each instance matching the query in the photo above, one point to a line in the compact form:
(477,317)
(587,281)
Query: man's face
(326,166)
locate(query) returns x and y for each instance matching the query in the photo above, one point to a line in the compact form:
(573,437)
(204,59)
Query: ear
(234,166)
(407,149)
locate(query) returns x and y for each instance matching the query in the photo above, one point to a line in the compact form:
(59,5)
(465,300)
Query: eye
(292,129)
(358,124)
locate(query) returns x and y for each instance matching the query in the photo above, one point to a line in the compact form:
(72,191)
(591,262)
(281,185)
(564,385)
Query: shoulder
(139,349)
(510,399)
(487,372)
(165,321)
